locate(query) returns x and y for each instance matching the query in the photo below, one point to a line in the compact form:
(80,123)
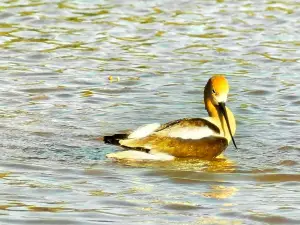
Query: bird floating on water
(204,138)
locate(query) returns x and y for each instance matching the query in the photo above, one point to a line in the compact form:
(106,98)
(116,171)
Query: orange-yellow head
(218,88)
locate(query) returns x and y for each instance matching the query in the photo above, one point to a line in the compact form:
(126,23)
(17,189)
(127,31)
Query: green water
(57,100)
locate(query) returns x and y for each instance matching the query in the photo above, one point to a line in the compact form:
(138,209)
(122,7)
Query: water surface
(74,70)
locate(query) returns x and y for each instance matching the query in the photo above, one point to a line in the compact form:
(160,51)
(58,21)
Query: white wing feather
(188,132)
(191,132)
(144,131)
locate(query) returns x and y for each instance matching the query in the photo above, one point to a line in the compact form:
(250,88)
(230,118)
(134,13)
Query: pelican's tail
(114,139)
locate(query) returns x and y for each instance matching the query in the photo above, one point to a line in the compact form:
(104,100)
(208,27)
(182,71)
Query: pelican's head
(216,91)
(219,89)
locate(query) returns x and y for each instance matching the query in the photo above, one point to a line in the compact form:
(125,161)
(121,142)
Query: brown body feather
(206,148)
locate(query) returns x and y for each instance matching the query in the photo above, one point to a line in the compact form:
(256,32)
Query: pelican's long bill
(224,112)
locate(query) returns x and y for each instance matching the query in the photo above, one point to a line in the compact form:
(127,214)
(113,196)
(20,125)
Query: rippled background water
(57,100)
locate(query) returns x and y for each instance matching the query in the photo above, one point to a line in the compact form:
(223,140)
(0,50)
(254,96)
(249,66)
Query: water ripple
(74,70)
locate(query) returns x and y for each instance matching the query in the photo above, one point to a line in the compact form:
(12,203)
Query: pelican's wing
(188,128)
(191,128)
(183,129)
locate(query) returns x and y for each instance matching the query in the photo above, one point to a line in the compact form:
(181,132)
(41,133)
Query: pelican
(203,138)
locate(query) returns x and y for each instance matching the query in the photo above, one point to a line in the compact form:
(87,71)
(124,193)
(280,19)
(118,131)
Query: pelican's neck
(218,119)
(211,109)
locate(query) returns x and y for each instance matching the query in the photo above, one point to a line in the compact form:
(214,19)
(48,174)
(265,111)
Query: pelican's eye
(213,91)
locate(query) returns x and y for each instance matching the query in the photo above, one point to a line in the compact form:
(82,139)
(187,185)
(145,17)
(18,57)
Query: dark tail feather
(114,139)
